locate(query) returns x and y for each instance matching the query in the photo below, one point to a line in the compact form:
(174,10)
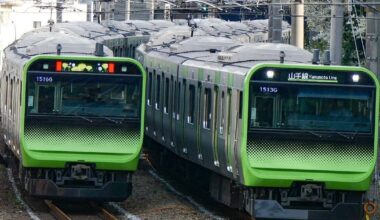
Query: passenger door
(190,128)
(149,104)
(166,116)
(206,134)
(180,102)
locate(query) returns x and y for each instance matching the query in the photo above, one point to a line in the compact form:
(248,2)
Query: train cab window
(207,109)
(78,95)
(149,92)
(191,108)
(315,108)
(158,92)
(46,99)
(166,96)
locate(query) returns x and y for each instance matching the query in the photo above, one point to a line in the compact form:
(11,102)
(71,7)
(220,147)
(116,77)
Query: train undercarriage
(303,200)
(76,181)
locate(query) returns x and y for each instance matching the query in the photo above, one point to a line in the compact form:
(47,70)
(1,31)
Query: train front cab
(81,126)
(310,141)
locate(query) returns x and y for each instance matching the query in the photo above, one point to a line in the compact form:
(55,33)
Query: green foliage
(317,32)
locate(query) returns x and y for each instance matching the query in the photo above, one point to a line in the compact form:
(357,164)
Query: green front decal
(295,127)
(64,121)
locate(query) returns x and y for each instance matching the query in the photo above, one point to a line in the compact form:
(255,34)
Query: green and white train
(277,135)
(72,121)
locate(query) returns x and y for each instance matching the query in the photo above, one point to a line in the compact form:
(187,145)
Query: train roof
(226,55)
(173,34)
(89,30)
(40,42)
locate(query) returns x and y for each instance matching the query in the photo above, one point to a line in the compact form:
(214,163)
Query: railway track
(98,212)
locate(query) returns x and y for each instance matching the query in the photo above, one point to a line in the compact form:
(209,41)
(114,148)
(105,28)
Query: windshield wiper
(315,134)
(345,136)
(349,137)
(85,118)
(111,120)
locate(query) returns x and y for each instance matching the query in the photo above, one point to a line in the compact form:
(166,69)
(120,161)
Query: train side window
(149,95)
(20,92)
(158,92)
(172,95)
(191,108)
(178,100)
(166,96)
(222,114)
(11,96)
(6,93)
(184,97)
(240,104)
(207,114)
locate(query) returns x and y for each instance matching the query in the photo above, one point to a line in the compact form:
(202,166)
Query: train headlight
(270,74)
(355,78)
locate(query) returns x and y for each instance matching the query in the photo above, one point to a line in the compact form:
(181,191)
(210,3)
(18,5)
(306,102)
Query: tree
(317,30)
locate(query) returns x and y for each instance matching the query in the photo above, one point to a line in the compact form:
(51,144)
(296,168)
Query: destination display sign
(85,66)
(312,77)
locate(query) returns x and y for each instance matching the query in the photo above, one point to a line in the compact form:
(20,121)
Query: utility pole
(151,17)
(275,22)
(298,12)
(59,11)
(90,10)
(167,11)
(372,38)
(128,10)
(97,11)
(107,11)
(336,37)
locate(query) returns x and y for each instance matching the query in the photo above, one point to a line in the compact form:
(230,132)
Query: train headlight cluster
(355,78)
(270,74)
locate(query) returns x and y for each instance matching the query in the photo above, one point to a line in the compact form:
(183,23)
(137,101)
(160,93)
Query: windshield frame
(312,86)
(109,118)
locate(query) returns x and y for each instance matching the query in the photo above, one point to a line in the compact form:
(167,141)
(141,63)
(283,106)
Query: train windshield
(311,107)
(84,95)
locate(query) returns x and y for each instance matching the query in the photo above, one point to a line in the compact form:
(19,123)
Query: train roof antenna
(315,59)
(59,49)
(282,56)
(99,50)
(326,58)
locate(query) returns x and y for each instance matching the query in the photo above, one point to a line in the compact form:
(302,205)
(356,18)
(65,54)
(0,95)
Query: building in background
(138,10)
(20,16)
